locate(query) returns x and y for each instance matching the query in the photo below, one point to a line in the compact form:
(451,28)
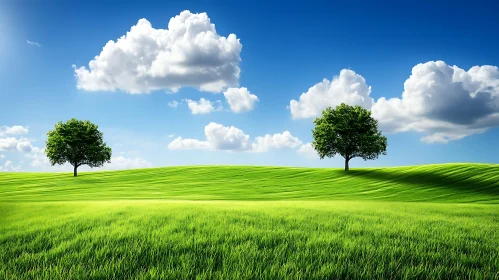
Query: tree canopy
(77,142)
(349,131)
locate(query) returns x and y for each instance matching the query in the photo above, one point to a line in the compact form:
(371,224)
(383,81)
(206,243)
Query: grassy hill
(244,222)
(430,183)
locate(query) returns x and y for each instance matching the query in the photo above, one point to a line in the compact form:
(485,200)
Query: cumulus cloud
(14,144)
(9,167)
(276,141)
(240,99)
(203,106)
(349,87)
(38,157)
(173,104)
(443,102)
(218,137)
(230,138)
(180,143)
(121,162)
(308,151)
(13,130)
(2,156)
(189,53)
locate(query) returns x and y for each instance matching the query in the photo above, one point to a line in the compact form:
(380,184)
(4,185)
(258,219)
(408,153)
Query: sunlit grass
(248,240)
(431,183)
(427,222)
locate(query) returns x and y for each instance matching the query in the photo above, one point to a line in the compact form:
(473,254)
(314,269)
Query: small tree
(349,131)
(77,142)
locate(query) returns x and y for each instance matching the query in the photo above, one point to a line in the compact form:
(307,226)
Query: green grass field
(221,222)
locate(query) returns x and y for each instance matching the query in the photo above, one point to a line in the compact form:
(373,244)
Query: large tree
(77,142)
(349,131)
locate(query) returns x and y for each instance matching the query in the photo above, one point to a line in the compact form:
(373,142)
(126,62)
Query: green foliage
(447,183)
(248,240)
(349,131)
(77,142)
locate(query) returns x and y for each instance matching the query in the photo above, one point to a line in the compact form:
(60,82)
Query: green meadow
(248,222)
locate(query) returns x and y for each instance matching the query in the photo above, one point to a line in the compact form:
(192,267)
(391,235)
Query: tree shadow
(462,182)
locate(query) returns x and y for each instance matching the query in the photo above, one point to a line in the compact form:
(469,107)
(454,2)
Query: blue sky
(448,113)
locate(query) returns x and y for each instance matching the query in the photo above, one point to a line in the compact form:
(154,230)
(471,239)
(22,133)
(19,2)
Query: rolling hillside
(247,222)
(477,183)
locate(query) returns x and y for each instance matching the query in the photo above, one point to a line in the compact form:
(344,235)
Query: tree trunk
(346,164)
(75,172)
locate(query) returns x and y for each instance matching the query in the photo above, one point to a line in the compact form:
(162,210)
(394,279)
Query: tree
(349,131)
(77,142)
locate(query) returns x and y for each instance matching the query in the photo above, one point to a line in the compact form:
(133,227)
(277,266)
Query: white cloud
(187,144)
(308,151)
(171,135)
(13,130)
(8,144)
(189,53)
(276,141)
(349,87)
(121,163)
(240,99)
(443,102)
(33,43)
(41,162)
(9,167)
(23,145)
(2,156)
(230,138)
(202,106)
(173,104)
(218,137)
(38,158)
(14,144)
